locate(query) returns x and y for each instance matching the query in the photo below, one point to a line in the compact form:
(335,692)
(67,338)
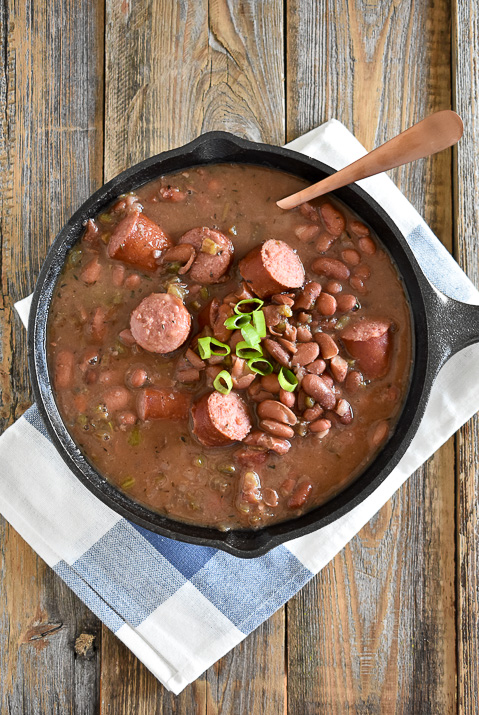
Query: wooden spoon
(435,133)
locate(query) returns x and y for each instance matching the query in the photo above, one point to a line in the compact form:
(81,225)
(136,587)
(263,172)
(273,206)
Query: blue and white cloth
(180,607)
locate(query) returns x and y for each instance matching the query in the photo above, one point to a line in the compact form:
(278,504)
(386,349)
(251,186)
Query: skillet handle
(453,326)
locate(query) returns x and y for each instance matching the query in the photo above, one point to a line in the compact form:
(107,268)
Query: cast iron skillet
(441,327)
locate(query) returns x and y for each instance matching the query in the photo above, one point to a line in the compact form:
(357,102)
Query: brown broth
(160,463)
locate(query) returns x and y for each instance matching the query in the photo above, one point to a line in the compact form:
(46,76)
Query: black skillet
(441,327)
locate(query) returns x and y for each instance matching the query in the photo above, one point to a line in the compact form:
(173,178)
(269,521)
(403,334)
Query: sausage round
(272,268)
(208,267)
(161,323)
(157,404)
(219,419)
(369,343)
(136,240)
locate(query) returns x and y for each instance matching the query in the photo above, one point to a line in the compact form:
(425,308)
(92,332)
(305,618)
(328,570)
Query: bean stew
(225,362)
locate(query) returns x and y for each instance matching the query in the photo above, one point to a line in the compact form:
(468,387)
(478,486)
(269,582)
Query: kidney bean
(300,495)
(212,371)
(137,377)
(127,418)
(262,395)
(287,486)
(351,256)
(326,304)
(290,332)
(346,302)
(367,245)
(306,232)
(312,413)
(320,426)
(331,268)
(288,345)
(324,242)
(304,334)
(358,228)
(328,381)
(287,398)
(344,411)
(308,296)
(339,368)
(235,339)
(132,281)
(303,318)
(379,434)
(317,367)
(252,456)
(127,338)
(270,497)
(89,359)
(353,381)
(194,359)
(362,271)
(118,274)
(309,211)
(277,352)
(305,354)
(270,383)
(92,271)
(328,346)
(220,331)
(278,429)
(241,375)
(282,299)
(333,287)
(116,398)
(262,439)
(97,328)
(333,219)
(191,374)
(317,388)
(274,410)
(357,284)
(301,400)
(253,389)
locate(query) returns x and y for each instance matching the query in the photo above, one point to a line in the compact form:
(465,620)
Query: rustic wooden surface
(390,626)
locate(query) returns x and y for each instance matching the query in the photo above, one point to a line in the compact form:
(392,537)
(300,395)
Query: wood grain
(50,160)
(374,633)
(173,71)
(466,194)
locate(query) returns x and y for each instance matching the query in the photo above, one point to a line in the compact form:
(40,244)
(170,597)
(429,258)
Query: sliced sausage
(138,241)
(64,364)
(369,343)
(214,253)
(161,323)
(220,419)
(162,404)
(272,268)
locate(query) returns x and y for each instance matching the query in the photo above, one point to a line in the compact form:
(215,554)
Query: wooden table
(86,90)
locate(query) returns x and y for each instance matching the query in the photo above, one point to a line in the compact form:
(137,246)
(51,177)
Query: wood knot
(85,645)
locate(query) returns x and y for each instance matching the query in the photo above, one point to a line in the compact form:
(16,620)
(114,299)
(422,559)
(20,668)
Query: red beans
(118,275)
(362,271)
(300,495)
(333,219)
(357,284)
(127,418)
(278,429)
(317,388)
(161,323)
(333,287)
(331,268)
(116,398)
(317,367)
(305,354)
(353,381)
(132,281)
(379,433)
(312,413)
(306,232)
(272,268)
(304,334)
(324,242)
(64,366)
(287,398)
(91,272)
(358,228)
(308,296)
(137,377)
(367,246)
(261,439)
(351,256)
(271,383)
(320,426)
(339,368)
(344,411)
(277,352)
(328,346)
(346,302)
(273,410)
(326,304)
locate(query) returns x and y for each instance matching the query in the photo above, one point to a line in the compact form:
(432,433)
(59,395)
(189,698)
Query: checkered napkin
(180,607)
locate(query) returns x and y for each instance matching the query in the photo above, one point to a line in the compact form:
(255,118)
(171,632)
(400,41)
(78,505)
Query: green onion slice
(223,382)
(259,323)
(245,351)
(206,350)
(237,321)
(260,365)
(249,302)
(287,380)
(250,335)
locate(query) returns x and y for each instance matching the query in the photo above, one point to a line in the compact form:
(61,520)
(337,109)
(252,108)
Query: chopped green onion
(206,351)
(245,351)
(250,335)
(248,301)
(260,365)
(259,323)
(287,380)
(204,293)
(134,438)
(237,321)
(128,483)
(223,382)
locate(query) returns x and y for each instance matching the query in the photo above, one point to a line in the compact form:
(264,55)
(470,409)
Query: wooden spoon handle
(435,133)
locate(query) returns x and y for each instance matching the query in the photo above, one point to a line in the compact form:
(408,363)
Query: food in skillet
(222,361)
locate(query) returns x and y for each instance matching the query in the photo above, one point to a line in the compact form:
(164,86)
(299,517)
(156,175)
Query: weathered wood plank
(173,71)
(375,631)
(50,159)
(466,194)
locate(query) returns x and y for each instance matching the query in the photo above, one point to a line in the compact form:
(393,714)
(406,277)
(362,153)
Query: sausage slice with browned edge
(272,268)
(160,323)
(162,404)
(219,419)
(214,253)
(138,241)
(369,343)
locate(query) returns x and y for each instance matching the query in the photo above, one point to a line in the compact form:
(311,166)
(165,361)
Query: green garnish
(248,301)
(134,438)
(287,380)
(259,323)
(206,351)
(245,351)
(250,335)
(260,365)
(223,382)
(237,321)
(128,483)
